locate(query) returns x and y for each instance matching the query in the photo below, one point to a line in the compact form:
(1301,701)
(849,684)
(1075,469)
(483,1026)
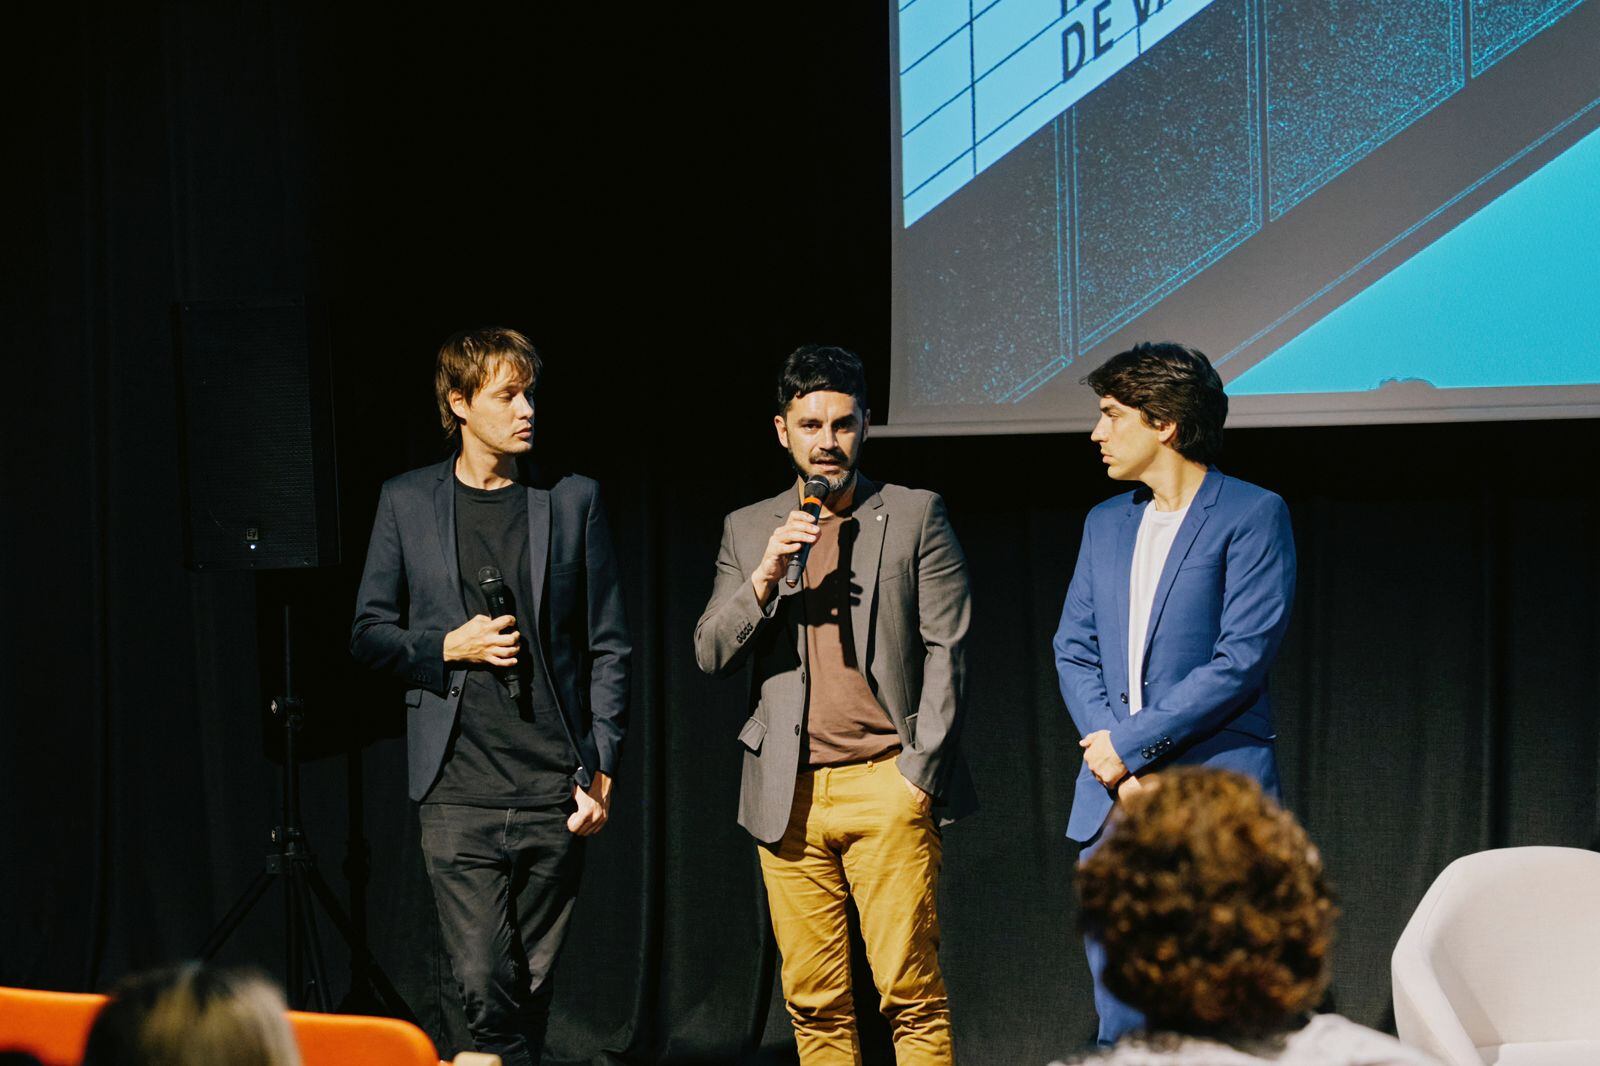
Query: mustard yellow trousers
(857,832)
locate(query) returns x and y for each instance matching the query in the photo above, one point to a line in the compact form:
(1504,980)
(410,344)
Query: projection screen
(1369,211)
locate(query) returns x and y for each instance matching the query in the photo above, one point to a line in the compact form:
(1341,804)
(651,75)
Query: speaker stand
(292,864)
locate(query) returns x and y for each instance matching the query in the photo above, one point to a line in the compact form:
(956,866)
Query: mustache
(837,483)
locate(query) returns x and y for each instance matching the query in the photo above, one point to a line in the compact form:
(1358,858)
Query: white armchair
(1500,964)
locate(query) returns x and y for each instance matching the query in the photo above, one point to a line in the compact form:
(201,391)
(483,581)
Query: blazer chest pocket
(752,733)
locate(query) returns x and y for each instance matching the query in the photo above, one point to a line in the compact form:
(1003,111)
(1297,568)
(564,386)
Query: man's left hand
(919,797)
(594,807)
(1102,758)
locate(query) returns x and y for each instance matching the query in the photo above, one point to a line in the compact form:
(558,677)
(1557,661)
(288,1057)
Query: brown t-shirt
(845,721)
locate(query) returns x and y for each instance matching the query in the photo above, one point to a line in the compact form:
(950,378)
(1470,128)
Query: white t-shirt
(1157,531)
(1329,1040)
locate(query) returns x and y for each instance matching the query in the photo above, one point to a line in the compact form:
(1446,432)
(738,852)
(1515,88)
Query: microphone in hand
(815,491)
(500,603)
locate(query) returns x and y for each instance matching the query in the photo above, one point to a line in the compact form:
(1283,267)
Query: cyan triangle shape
(1510,297)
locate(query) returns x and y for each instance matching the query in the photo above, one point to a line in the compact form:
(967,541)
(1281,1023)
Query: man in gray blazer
(852,761)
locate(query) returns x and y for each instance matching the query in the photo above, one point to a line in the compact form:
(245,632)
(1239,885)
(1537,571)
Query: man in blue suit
(1177,605)
(492,593)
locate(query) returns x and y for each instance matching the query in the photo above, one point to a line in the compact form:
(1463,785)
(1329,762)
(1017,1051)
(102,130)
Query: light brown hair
(1212,907)
(468,360)
(193,1015)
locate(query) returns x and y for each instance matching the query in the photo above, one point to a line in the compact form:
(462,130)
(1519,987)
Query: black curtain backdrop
(668,200)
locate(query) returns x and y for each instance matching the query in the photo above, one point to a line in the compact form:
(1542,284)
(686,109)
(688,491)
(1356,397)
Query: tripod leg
(294,949)
(235,916)
(312,944)
(390,998)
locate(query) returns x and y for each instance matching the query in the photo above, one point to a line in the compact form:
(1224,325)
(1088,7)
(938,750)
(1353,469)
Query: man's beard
(836,484)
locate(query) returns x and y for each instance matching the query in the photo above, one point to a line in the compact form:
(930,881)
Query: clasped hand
(1102,759)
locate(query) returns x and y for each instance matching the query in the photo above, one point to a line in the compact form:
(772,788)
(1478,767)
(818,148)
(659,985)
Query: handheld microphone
(499,598)
(816,490)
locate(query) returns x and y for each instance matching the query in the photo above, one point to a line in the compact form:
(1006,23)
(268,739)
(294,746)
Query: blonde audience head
(193,1015)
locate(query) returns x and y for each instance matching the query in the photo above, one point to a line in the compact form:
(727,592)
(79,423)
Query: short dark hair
(1211,905)
(1169,384)
(821,368)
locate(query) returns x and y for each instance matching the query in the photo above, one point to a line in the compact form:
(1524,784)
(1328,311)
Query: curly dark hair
(1212,907)
(1169,383)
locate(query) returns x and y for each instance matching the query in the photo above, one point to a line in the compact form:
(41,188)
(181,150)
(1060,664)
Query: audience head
(1211,904)
(193,1015)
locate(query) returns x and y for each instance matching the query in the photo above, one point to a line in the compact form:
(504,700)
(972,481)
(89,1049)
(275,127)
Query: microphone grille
(488,575)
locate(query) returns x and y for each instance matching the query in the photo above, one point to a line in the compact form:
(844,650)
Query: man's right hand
(483,640)
(800,529)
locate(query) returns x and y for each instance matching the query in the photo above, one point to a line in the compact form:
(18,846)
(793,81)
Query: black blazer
(410,597)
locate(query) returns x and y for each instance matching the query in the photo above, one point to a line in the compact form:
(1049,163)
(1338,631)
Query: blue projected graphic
(1198,162)
(978,79)
(1449,314)
(1334,97)
(1499,27)
(1304,190)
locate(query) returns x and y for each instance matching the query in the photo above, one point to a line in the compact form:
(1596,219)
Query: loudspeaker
(256,408)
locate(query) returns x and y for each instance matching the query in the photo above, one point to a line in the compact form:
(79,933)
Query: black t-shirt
(504,752)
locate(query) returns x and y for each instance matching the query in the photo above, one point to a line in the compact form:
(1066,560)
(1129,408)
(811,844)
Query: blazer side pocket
(752,733)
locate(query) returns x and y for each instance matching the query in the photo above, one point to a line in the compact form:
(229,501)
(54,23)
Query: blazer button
(455,690)
(1123,696)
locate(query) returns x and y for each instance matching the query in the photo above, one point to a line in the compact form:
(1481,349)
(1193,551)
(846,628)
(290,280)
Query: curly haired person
(1217,924)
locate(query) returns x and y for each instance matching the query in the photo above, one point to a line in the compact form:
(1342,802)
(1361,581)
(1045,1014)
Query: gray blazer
(909,621)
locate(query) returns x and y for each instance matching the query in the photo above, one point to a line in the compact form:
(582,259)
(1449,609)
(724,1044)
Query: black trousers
(504,883)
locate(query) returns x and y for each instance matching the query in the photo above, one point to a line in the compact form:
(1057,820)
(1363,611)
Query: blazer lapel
(1127,536)
(866,556)
(1199,511)
(538,549)
(444,513)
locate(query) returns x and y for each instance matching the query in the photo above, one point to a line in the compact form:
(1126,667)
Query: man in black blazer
(515,714)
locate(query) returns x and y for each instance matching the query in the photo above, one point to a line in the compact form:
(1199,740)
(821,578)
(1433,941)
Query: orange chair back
(51,1026)
(54,1027)
(357,1040)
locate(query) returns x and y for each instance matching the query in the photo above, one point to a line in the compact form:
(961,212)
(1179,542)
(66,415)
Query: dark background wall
(668,200)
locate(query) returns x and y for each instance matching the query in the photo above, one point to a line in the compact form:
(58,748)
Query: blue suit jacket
(1218,617)
(410,597)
